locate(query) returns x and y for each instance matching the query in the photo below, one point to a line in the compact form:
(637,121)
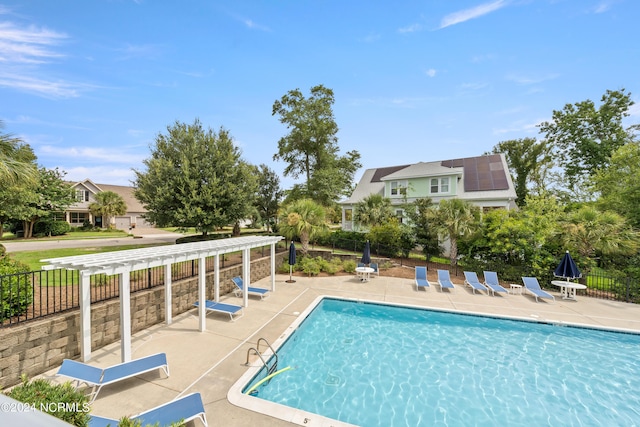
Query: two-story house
(484,181)
(79,213)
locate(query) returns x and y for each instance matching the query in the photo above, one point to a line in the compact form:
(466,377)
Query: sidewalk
(211,362)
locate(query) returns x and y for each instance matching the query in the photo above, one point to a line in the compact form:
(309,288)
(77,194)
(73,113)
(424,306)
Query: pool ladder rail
(256,350)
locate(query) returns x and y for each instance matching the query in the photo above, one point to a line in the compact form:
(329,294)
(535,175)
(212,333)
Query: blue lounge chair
(444,280)
(184,409)
(96,378)
(471,279)
(220,307)
(421,278)
(261,292)
(532,286)
(491,282)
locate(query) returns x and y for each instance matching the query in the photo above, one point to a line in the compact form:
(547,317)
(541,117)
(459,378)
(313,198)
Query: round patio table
(364,273)
(568,289)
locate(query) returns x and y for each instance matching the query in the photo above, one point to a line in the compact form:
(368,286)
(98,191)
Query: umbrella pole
(290,273)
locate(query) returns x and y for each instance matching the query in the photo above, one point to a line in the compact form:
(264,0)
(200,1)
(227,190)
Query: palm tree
(590,231)
(373,210)
(304,219)
(108,204)
(454,219)
(16,160)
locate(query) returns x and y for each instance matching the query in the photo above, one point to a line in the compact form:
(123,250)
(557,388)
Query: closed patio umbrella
(366,254)
(567,268)
(292,261)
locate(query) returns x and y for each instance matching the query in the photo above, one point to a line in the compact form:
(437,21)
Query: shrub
(62,401)
(15,288)
(349,266)
(3,251)
(48,227)
(310,266)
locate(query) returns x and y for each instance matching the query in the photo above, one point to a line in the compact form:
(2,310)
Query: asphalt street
(141,239)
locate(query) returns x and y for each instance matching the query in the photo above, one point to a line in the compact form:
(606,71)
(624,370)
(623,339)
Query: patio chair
(261,292)
(184,409)
(532,286)
(421,278)
(471,279)
(444,280)
(219,307)
(376,270)
(96,378)
(491,282)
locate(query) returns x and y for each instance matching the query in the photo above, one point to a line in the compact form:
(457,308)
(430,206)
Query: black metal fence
(599,285)
(36,294)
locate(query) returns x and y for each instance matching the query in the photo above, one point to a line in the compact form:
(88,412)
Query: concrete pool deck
(211,362)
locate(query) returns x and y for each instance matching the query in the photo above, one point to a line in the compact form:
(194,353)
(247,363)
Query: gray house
(484,181)
(78,213)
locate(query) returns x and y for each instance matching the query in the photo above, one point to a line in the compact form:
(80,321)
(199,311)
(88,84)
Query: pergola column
(125,317)
(273,267)
(246,273)
(202,297)
(167,294)
(216,277)
(85,316)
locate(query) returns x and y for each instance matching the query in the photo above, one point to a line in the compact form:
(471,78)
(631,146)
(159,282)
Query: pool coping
(305,418)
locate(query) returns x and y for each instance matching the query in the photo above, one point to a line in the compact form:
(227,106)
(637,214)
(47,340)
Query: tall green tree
(195,177)
(425,233)
(454,219)
(50,195)
(108,205)
(269,195)
(529,162)
(583,137)
(303,219)
(310,149)
(375,209)
(618,184)
(16,161)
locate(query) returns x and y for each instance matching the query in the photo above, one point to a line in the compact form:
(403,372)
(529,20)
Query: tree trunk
(304,242)
(236,229)
(453,252)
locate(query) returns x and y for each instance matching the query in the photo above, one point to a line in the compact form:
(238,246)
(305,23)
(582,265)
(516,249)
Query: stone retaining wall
(36,347)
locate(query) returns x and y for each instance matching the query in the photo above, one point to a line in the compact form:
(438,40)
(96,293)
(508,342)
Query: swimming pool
(371,364)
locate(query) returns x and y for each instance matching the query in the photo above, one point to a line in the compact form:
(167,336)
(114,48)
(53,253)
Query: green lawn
(32,258)
(75,235)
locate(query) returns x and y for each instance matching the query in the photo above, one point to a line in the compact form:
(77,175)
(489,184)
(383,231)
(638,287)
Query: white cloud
(528,80)
(471,13)
(91,154)
(29,45)
(101,174)
(520,127)
(46,88)
(431,72)
(410,29)
(249,23)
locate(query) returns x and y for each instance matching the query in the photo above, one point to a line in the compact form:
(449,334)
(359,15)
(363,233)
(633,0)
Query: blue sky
(89,84)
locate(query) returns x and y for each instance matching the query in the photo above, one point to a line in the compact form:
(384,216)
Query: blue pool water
(377,365)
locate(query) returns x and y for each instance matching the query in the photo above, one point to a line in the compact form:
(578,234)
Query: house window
(57,216)
(348,214)
(398,188)
(79,217)
(400,215)
(439,185)
(82,195)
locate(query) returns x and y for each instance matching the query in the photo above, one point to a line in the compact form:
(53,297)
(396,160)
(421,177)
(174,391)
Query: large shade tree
(310,149)
(583,137)
(108,204)
(195,177)
(303,219)
(529,161)
(269,195)
(618,184)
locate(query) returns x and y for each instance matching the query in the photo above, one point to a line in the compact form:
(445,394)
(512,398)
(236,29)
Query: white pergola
(124,262)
